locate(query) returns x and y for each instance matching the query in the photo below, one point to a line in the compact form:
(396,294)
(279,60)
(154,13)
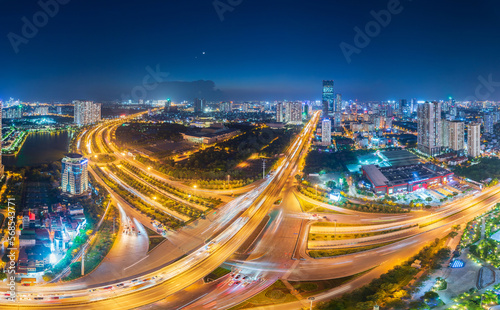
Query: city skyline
(235,154)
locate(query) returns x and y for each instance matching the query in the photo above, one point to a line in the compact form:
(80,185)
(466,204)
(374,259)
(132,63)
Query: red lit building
(405,179)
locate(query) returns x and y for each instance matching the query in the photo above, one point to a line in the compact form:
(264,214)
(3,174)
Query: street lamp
(316,186)
(335,232)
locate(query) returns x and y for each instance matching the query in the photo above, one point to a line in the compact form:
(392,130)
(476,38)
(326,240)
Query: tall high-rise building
(338,103)
(293,112)
(225,107)
(279,112)
(453,111)
(337,120)
(326,132)
(496,116)
(474,140)
(13,112)
(445,133)
(402,107)
(388,110)
(199,105)
(429,128)
(309,108)
(288,108)
(328,97)
(74,175)
(305,109)
(87,112)
(457,133)
(41,110)
(488,123)
(414,105)
(379,122)
(222,107)
(388,122)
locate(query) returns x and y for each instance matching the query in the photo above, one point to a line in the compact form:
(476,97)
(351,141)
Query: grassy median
(345,251)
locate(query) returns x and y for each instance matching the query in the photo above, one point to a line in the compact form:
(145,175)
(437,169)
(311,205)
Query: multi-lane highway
(165,272)
(182,273)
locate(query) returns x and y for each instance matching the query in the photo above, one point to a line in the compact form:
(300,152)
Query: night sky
(261,50)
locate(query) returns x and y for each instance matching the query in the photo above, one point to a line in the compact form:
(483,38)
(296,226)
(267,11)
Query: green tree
(431,295)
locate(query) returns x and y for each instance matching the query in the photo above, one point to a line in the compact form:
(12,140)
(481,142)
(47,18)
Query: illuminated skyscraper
(293,113)
(74,175)
(279,112)
(445,133)
(328,97)
(199,105)
(488,123)
(338,103)
(326,132)
(337,120)
(474,140)
(429,128)
(87,112)
(402,107)
(13,112)
(457,133)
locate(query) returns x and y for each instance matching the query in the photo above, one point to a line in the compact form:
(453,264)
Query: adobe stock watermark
(484,89)
(10,267)
(30,27)
(149,83)
(223,6)
(372,29)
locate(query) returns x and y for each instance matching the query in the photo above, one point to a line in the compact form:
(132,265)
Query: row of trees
(136,202)
(149,192)
(208,202)
(104,158)
(107,149)
(375,208)
(93,140)
(222,184)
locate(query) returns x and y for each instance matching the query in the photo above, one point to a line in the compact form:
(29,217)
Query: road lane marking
(137,262)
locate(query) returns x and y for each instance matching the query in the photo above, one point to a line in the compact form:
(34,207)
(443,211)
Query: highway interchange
(170,276)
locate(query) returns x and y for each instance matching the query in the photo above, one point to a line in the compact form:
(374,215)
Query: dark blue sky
(278,49)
